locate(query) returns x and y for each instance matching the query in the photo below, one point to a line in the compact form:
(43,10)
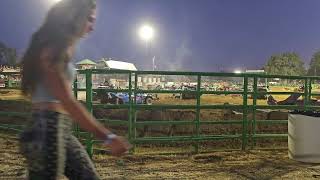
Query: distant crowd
(5,68)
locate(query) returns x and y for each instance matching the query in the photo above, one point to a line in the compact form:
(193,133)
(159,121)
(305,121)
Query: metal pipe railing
(248,125)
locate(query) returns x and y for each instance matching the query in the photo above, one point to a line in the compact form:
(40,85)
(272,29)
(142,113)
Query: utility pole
(153,63)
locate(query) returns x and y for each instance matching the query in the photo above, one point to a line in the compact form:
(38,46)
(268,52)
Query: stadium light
(56,1)
(146,33)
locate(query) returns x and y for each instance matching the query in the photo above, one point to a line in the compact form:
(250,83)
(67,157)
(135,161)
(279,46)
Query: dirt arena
(178,162)
(237,165)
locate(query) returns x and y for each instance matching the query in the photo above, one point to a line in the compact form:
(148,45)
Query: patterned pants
(52,151)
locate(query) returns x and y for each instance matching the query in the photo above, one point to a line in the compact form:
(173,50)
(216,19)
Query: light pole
(146,33)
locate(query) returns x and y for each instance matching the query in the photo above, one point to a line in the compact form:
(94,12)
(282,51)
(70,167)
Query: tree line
(8,56)
(288,63)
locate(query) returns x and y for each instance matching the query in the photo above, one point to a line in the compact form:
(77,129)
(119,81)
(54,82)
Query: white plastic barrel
(304,138)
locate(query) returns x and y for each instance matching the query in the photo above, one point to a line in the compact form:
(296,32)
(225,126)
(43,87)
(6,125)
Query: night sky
(195,35)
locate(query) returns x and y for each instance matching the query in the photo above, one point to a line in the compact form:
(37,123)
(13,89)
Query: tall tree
(314,68)
(8,55)
(285,64)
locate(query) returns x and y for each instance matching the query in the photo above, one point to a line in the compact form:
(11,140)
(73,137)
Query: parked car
(187,95)
(123,98)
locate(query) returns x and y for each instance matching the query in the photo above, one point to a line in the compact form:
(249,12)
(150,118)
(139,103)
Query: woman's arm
(60,88)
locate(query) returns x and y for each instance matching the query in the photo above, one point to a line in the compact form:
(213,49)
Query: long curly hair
(62,27)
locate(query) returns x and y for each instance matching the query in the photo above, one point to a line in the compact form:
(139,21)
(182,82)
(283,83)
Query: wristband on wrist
(109,138)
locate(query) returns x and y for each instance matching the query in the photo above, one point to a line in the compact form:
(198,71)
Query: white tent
(111,64)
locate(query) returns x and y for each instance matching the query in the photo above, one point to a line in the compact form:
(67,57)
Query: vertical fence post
(89,141)
(253,127)
(310,82)
(134,109)
(245,113)
(196,146)
(130,107)
(135,103)
(75,94)
(306,93)
(130,120)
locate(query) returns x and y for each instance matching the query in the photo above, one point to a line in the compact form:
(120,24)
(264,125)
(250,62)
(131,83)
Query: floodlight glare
(56,1)
(146,32)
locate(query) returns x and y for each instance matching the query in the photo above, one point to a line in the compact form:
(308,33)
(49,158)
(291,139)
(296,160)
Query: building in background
(86,64)
(115,65)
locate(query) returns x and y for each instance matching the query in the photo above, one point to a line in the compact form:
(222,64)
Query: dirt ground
(148,164)
(152,163)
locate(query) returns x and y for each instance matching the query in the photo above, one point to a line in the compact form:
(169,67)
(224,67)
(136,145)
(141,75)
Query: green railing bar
(115,122)
(3,113)
(306,90)
(12,125)
(83,132)
(130,120)
(280,93)
(75,94)
(221,107)
(188,73)
(270,136)
(184,138)
(222,122)
(185,122)
(253,122)
(315,94)
(88,73)
(245,114)
(314,77)
(222,92)
(198,96)
(75,88)
(80,89)
(112,106)
(277,76)
(187,91)
(287,107)
(272,121)
(142,106)
(309,90)
(10,128)
(134,109)
(168,123)
(164,122)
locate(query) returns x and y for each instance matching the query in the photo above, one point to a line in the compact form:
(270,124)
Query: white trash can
(304,138)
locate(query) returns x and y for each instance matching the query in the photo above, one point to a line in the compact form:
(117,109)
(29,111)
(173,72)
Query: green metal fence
(248,125)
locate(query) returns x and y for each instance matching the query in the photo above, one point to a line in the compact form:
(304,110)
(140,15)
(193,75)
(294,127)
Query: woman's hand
(119,146)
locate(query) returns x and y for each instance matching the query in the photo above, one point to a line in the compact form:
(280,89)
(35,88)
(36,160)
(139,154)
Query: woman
(47,144)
